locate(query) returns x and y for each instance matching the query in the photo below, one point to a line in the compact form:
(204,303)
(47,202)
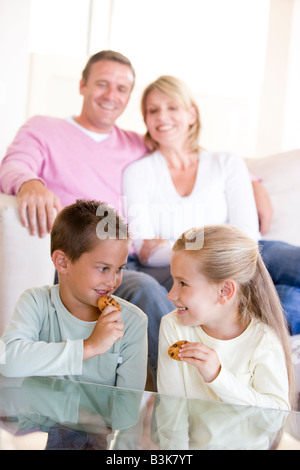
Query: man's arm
(20,175)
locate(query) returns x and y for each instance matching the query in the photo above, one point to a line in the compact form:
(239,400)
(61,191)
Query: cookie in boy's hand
(173,350)
(105,301)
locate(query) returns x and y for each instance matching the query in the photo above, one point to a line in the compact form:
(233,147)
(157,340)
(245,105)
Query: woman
(181,185)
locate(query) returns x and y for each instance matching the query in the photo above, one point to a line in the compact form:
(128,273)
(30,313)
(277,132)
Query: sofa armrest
(280,176)
(25,260)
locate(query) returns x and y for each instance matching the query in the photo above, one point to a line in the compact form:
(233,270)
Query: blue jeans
(151,297)
(283,263)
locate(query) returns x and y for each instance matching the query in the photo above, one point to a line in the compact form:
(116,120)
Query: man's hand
(38,207)
(204,358)
(108,329)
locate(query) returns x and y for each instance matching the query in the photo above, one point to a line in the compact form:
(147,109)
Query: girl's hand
(204,358)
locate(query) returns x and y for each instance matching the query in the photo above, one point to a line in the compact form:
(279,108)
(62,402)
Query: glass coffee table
(51,413)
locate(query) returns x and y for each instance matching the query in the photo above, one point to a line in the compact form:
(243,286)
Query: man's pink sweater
(69,162)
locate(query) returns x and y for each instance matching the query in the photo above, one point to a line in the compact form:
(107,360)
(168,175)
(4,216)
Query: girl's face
(167,121)
(196,299)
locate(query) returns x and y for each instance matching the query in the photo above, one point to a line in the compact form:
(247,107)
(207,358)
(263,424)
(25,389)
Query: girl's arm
(264,385)
(170,379)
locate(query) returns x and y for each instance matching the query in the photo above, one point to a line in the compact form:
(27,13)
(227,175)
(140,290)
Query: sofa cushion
(281,177)
(25,260)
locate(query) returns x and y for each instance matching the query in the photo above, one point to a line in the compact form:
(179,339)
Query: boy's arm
(22,352)
(132,370)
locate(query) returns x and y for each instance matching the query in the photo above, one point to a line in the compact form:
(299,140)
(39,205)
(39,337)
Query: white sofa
(25,260)
(281,177)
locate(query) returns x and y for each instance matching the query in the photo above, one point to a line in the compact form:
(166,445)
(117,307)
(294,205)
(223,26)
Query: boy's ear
(60,261)
(227,291)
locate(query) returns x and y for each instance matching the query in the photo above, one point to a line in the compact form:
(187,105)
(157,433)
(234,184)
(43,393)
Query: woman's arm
(242,212)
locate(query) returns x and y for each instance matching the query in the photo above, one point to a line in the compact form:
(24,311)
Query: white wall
(240,57)
(291,124)
(14,67)
(275,96)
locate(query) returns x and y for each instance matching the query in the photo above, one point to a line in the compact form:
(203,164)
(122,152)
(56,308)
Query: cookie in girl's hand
(173,350)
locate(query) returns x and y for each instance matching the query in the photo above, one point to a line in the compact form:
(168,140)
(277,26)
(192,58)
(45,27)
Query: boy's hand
(108,329)
(204,358)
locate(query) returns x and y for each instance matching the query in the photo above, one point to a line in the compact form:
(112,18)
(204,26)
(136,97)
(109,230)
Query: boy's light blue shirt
(45,339)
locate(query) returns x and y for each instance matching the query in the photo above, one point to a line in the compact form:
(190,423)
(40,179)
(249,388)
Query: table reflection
(83,416)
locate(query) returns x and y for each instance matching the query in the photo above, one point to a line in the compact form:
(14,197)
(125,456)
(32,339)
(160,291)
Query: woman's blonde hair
(224,252)
(180,93)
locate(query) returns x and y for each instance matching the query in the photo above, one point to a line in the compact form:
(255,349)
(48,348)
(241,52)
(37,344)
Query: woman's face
(167,122)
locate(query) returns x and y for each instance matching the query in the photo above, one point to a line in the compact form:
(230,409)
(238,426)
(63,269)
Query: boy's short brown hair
(78,227)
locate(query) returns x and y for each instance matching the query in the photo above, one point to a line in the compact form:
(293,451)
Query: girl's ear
(60,261)
(227,291)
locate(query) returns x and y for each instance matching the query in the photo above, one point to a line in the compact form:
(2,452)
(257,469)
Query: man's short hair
(78,227)
(106,55)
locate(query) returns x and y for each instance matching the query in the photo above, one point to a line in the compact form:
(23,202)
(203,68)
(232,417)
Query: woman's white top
(222,194)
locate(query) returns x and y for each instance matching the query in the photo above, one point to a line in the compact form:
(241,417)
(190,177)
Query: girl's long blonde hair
(224,252)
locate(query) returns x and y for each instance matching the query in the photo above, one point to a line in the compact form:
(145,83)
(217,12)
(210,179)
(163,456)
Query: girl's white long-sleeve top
(253,370)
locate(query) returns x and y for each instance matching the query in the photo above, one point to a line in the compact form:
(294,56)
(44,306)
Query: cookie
(105,301)
(175,348)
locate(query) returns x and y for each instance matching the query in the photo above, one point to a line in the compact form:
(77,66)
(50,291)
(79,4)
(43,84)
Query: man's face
(106,94)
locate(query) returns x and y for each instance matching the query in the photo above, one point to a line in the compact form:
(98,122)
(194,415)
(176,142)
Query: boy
(58,330)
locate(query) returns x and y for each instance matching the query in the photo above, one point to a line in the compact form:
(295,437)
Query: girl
(228,310)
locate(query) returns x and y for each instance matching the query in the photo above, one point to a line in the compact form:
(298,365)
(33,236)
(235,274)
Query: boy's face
(96,273)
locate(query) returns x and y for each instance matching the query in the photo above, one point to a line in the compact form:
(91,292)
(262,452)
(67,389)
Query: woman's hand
(204,358)
(264,207)
(149,247)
